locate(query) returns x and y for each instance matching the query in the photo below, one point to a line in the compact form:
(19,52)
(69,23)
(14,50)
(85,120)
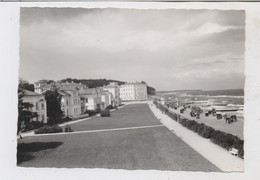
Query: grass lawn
(147,148)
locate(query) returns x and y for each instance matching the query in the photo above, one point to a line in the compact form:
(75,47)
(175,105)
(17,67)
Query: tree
(54,112)
(24,114)
(25,85)
(150,90)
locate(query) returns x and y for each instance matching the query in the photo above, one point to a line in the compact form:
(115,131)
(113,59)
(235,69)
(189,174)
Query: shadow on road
(25,150)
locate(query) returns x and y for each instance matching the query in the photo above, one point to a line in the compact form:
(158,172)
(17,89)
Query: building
(42,86)
(71,104)
(134,91)
(39,105)
(113,88)
(65,103)
(105,97)
(90,99)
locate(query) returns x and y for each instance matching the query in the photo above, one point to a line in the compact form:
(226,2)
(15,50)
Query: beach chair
(234,118)
(219,116)
(233,151)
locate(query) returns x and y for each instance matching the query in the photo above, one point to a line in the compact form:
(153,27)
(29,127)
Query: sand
(214,153)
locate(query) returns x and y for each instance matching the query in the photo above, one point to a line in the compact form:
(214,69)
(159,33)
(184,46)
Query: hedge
(105,113)
(91,112)
(220,138)
(48,129)
(34,125)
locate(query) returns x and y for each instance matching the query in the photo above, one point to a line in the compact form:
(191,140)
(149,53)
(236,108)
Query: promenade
(132,138)
(214,153)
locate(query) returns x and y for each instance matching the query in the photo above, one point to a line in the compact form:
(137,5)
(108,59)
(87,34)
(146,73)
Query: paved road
(152,146)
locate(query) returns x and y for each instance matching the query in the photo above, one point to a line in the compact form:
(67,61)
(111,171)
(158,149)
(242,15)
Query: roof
(68,88)
(133,83)
(63,93)
(30,93)
(89,91)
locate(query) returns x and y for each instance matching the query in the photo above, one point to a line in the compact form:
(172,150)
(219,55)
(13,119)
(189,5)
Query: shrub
(190,124)
(195,127)
(91,112)
(200,128)
(34,125)
(207,131)
(105,113)
(110,107)
(98,110)
(66,119)
(48,129)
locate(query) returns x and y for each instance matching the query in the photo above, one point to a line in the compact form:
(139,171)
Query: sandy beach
(214,153)
(235,128)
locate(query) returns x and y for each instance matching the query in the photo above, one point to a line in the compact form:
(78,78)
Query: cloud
(157,46)
(210,28)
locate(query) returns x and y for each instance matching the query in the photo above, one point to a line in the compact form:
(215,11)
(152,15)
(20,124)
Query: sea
(229,101)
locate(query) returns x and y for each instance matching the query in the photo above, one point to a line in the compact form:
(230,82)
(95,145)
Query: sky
(169,49)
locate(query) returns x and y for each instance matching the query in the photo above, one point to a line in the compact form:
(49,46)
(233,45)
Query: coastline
(215,154)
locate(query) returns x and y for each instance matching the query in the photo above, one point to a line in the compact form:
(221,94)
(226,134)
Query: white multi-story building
(70,101)
(113,88)
(133,91)
(39,105)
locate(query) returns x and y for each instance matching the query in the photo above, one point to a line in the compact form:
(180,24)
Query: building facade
(114,89)
(70,101)
(134,91)
(39,105)
(90,99)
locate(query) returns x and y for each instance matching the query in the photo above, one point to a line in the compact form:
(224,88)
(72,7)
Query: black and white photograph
(131,89)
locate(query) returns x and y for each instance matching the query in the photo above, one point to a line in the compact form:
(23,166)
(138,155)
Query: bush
(228,141)
(91,112)
(66,119)
(34,125)
(190,124)
(110,107)
(207,131)
(48,129)
(105,113)
(195,127)
(200,128)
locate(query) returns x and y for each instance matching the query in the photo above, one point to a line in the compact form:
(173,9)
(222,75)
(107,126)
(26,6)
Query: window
(67,102)
(36,106)
(43,117)
(86,100)
(43,106)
